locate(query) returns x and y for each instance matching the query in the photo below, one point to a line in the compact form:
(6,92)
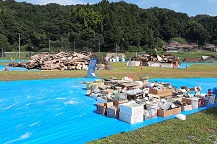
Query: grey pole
(99,45)
(19,45)
(74,45)
(49,45)
(2,53)
(116,45)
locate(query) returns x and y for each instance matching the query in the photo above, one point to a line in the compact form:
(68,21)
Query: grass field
(198,128)
(181,55)
(119,70)
(194,54)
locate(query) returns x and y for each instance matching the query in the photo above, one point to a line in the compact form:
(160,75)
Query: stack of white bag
(131,112)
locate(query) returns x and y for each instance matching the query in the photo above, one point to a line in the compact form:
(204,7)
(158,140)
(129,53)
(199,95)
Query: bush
(134,49)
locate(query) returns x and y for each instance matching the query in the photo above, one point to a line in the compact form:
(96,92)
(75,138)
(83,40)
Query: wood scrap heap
(135,101)
(61,61)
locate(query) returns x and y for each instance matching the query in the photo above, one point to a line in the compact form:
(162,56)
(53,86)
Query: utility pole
(49,45)
(157,42)
(19,45)
(116,49)
(2,53)
(74,45)
(99,45)
(87,46)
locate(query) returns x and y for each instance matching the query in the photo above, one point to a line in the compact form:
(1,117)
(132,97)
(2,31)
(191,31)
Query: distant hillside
(106,24)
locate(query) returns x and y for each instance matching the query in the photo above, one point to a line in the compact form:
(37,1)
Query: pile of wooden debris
(59,61)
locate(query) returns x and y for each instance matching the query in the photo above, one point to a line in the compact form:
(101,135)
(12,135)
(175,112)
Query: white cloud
(175,6)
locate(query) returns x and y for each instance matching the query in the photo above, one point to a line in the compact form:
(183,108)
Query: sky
(190,7)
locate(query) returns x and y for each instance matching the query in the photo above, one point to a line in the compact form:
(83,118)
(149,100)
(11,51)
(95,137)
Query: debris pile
(59,61)
(153,60)
(135,101)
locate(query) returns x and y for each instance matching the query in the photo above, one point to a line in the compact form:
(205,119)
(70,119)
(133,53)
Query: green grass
(199,128)
(181,56)
(119,70)
(184,55)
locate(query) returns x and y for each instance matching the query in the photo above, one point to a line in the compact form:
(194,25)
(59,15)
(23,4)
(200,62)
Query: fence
(79,46)
(55,47)
(17,55)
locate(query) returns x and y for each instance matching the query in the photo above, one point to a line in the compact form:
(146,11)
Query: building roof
(192,59)
(209,45)
(114,54)
(179,45)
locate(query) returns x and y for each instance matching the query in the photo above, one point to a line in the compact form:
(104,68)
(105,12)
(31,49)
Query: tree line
(105,26)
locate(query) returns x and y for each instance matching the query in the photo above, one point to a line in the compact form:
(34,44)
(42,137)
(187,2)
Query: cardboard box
(130,119)
(117,103)
(109,104)
(187,100)
(101,111)
(165,92)
(101,108)
(186,108)
(112,112)
(101,105)
(166,113)
(131,109)
(192,101)
(105,104)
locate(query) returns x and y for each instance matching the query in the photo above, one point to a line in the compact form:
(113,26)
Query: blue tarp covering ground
(2,68)
(57,111)
(18,60)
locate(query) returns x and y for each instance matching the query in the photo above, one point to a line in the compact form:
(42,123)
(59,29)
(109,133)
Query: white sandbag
(181,116)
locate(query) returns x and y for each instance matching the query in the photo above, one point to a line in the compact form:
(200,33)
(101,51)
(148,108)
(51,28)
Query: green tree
(196,32)
(4,43)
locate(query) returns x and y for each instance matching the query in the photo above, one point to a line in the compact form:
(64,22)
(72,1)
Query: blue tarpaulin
(92,68)
(2,68)
(57,111)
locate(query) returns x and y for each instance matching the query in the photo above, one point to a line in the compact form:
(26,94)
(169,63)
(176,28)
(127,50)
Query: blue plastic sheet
(18,60)
(57,111)
(2,68)
(92,68)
